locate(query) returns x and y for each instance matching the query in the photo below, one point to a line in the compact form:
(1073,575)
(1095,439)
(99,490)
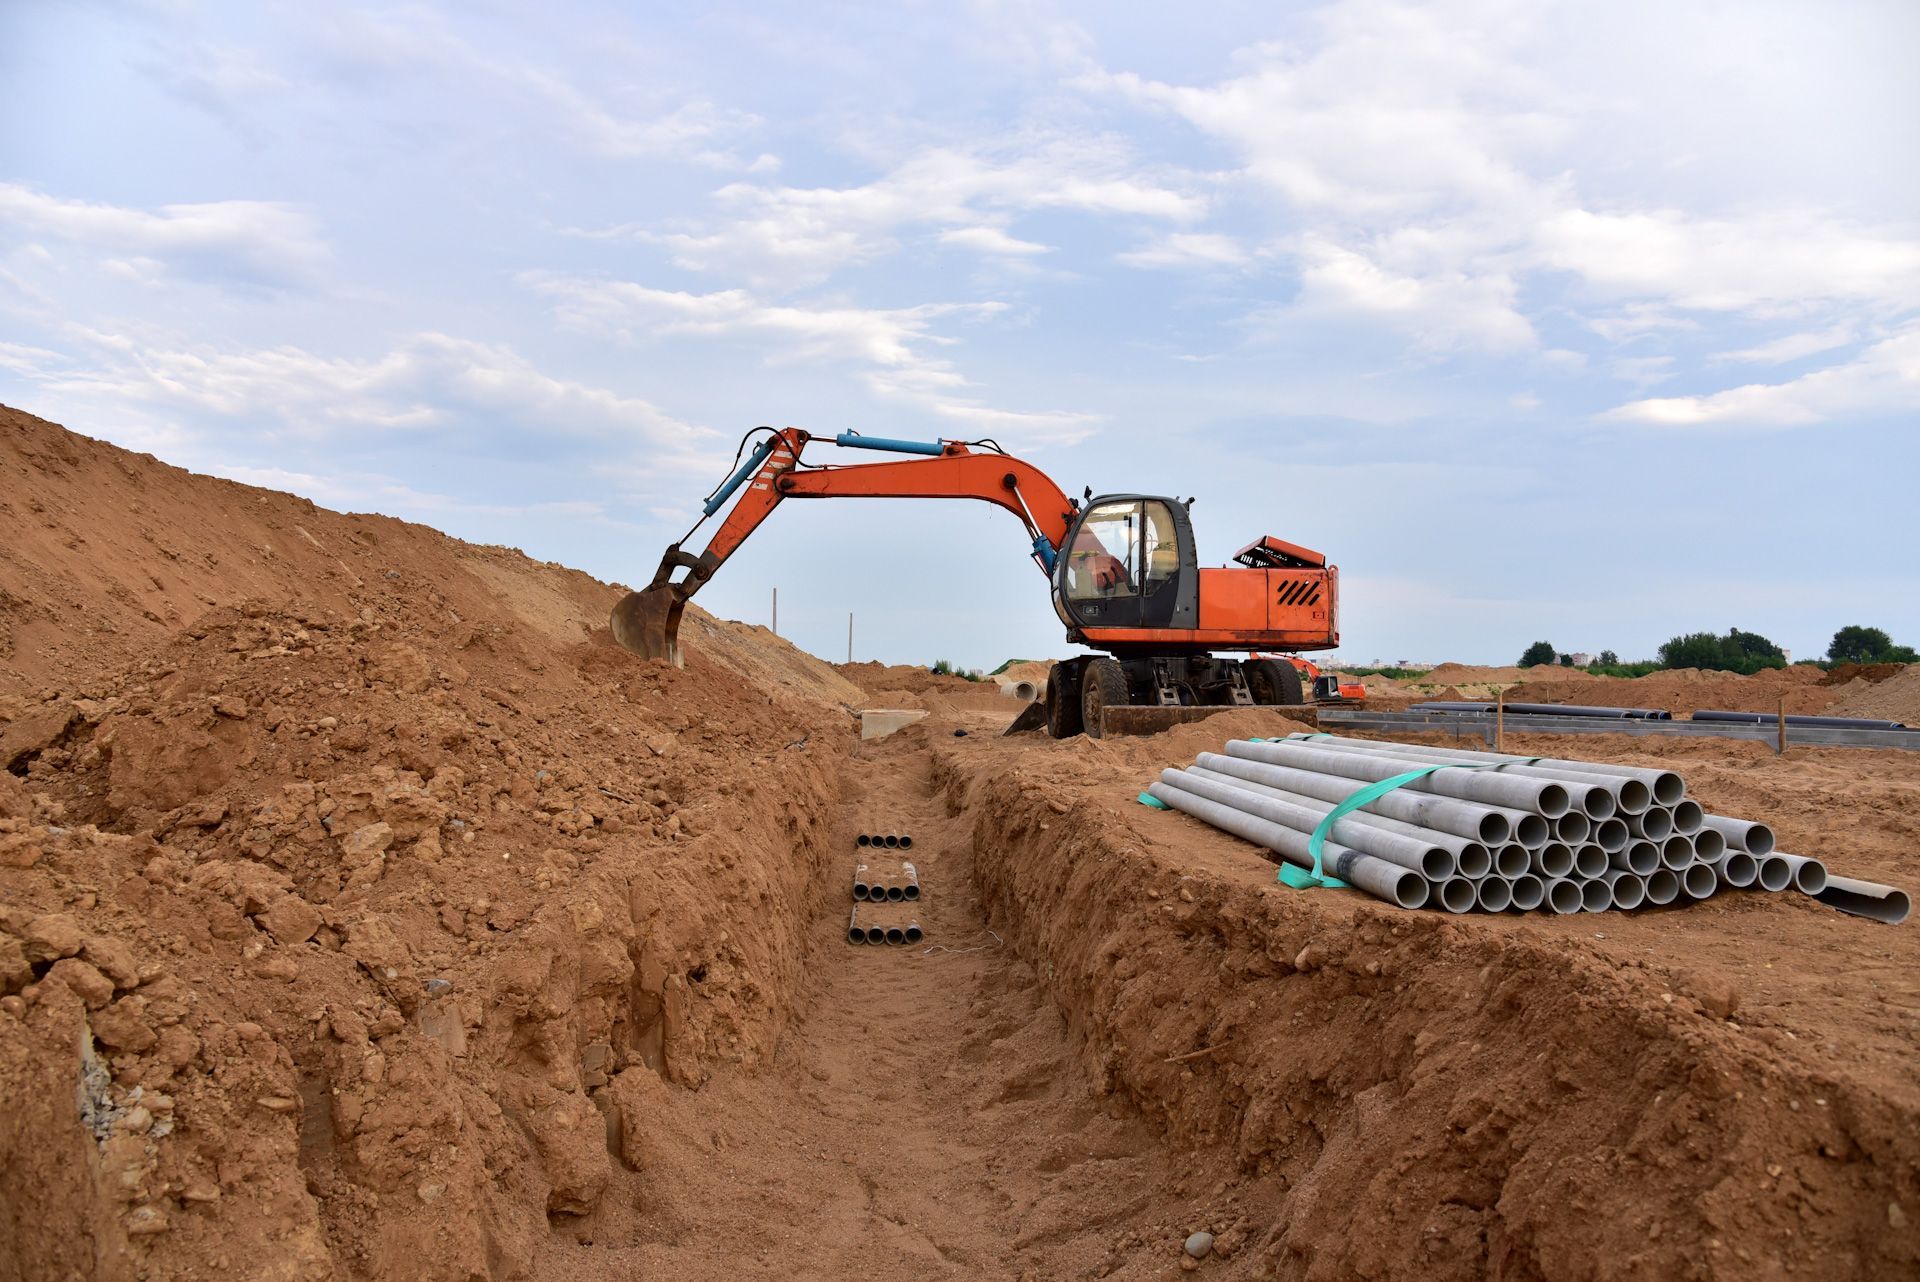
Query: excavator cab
(1128,562)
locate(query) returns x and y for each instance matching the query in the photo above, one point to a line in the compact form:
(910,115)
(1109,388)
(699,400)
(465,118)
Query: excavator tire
(1273,681)
(1103,686)
(1063,701)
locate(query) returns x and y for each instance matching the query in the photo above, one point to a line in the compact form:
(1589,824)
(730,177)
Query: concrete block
(878,723)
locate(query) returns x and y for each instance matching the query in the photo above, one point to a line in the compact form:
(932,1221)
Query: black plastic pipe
(1797,719)
(1550,710)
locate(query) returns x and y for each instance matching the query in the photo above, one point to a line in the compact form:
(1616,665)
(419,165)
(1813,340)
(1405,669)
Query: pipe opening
(1635,797)
(1410,890)
(895,894)
(855,935)
(1493,894)
(1512,860)
(1528,891)
(1532,831)
(896,935)
(1589,860)
(1688,816)
(1657,824)
(1598,803)
(1611,835)
(1554,801)
(1474,861)
(912,890)
(1572,828)
(1563,896)
(914,933)
(875,935)
(1676,852)
(1553,860)
(1629,892)
(890,841)
(1456,894)
(1596,897)
(1739,870)
(1698,881)
(1775,873)
(1494,828)
(1663,886)
(1643,857)
(1709,845)
(1668,789)
(863,840)
(906,843)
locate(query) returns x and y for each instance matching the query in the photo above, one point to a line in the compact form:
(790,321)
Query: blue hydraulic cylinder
(855,441)
(1044,550)
(739,478)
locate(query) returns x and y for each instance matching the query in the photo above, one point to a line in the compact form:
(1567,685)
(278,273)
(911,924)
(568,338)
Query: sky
(1589,322)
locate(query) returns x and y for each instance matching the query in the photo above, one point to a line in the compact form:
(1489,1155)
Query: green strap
(1148,799)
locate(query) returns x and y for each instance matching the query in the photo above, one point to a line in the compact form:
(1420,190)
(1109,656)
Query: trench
(925,1113)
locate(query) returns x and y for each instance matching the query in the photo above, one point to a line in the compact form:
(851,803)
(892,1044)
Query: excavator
(1123,572)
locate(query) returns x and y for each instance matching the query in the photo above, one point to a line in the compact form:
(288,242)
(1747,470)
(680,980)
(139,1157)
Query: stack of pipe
(1508,833)
(886,841)
(877,885)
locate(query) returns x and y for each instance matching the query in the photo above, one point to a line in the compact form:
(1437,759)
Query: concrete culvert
(1699,881)
(1456,894)
(1572,828)
(1595,896)
(1629,892)
(1610,835)
(1024,691)
(1589,860)
(1687,816)
(1553,860)
(1809,875)
(1511,860)
(1775,873)
(1709,845)
(1676,852)
(1738,870)
(1641,858)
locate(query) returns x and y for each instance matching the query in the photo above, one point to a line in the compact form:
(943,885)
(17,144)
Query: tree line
(1737,651)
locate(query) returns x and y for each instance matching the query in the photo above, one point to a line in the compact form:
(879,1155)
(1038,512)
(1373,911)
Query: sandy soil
(366,914)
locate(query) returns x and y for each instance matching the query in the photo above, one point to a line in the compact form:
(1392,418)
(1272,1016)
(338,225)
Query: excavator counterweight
(1124,576)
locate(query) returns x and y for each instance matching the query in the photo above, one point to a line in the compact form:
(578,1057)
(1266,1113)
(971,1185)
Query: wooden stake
(1500,719)
(1781,750)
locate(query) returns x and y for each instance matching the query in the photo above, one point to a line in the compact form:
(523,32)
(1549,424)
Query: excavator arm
(647,622)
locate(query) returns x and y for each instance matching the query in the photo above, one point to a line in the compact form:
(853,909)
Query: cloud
(1443,311)
(1883,380)
(992,240)
(1187,249)
(262,243)
(1793,347)
(886,347)
(788,236)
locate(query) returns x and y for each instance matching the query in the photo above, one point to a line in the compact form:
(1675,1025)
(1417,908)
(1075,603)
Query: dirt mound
(1682,690)
(356,903)
(1895,697)
(1467,674)
(1869,673)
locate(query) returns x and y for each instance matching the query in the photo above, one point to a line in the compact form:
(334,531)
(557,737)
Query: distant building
(1580,658)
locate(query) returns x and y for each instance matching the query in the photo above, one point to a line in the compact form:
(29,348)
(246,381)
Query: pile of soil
(1682,690)
(353,885)
(1895,696)
(905,686)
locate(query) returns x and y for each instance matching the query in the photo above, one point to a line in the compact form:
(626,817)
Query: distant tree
(1538,653)
(1743,652)
(942,668)
(1856,644)
(1566,661)
(1607,659)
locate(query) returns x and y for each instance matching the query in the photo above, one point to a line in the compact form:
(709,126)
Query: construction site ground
(365,913)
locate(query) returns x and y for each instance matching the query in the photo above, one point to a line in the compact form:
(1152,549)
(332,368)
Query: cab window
(1104,558)
(1161,554)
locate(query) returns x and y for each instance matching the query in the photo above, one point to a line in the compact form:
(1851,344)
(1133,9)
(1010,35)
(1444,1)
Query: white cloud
(1884,379)
(1793,347)
(1442,311)
(885,346)
(992,240)
(1188,249)
(795,235)
(251,241)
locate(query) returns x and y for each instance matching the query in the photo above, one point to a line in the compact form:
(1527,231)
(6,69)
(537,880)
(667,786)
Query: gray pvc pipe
(1629,891)
(1676,852)
(1455,894)
(1610,835)
(1511,860)
(1687,816)
(896,935)
(1699,881)
(1585,790)
(912,874)
(1664,787)
(1737,870)
(1809,875)
(914,933)
(1866,899)
(1589,860)
(1655,824)
(1663,886)
(1709,845)
(1742,834)
(1776,874)
(1528,892)
(1552,861)
(1563,896)
(1640,857)
(1596,896)
(855,935)
(876,935)
(1375,876)
(1572,828)
(1547,797)
(860,884)
(1414,854)
(1461,818)
(1492,894)
(1468,854)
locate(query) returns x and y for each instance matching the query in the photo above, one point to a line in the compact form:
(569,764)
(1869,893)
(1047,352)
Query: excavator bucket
(647,622)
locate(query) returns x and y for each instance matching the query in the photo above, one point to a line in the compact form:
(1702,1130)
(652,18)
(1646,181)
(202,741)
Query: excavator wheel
(1063,701)
(1273,681)
(1104,685)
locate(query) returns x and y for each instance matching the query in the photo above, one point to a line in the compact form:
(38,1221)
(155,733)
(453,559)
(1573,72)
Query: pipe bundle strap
(1372,792)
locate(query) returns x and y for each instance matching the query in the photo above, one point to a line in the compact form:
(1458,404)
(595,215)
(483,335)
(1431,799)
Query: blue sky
(1593,322)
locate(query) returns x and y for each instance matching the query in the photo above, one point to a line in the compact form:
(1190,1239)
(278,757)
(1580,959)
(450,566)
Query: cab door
(1128,563)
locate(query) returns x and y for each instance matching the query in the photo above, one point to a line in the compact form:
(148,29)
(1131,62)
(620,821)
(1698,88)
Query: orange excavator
(1124,575)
